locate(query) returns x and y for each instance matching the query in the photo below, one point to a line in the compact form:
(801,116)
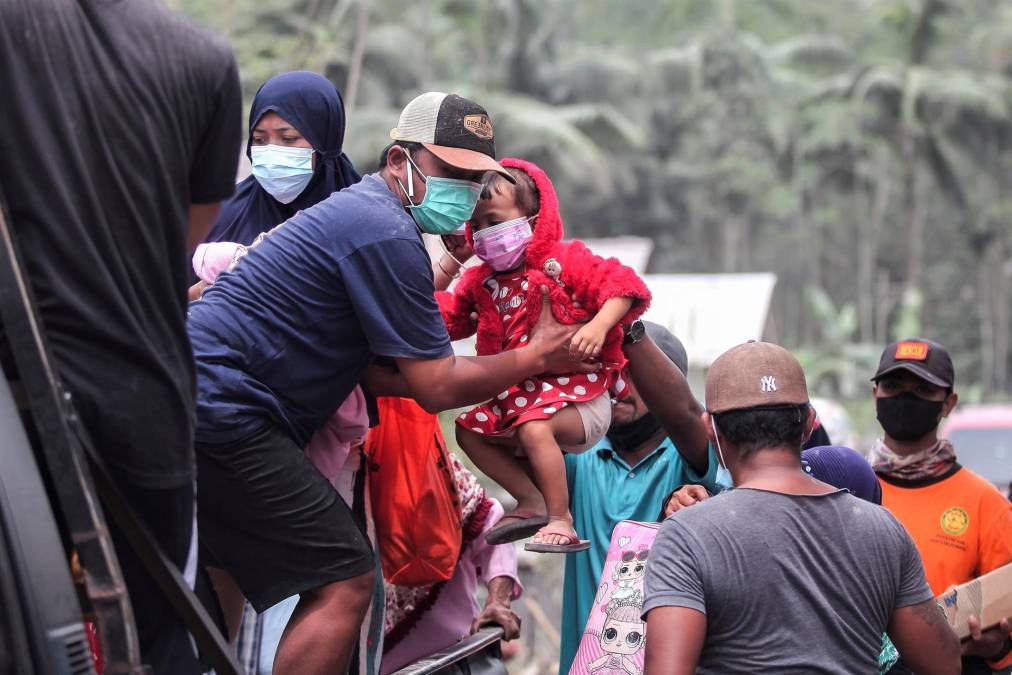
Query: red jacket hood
(547,226)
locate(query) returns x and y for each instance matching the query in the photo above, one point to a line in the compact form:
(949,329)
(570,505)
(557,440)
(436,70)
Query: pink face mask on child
(504,245)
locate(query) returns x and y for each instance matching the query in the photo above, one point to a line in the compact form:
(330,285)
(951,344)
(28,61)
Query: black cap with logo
(926,359)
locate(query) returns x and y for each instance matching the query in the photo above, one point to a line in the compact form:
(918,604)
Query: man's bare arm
(666,393)
(457,381)
(382,381)
(202,217)
(676,640)
(924,639)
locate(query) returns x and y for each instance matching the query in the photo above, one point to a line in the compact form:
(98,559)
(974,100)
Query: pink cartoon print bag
(614,640)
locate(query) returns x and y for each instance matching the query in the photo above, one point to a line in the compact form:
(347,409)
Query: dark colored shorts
(269,518)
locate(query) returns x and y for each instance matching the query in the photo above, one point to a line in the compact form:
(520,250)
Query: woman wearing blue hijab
(296,134)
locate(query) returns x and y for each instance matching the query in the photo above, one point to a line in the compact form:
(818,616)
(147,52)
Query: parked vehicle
(982,435)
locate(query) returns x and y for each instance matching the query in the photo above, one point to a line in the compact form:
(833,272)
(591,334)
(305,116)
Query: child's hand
(588,341)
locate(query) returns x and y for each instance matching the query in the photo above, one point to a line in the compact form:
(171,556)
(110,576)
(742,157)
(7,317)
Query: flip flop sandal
(528,524)
(575,544)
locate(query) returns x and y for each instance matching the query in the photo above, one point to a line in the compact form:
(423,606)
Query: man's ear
(396,159)
(405,185)
(708,423)
(950,402)
(809,425)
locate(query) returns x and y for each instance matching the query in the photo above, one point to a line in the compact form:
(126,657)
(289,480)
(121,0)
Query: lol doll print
(628,575)
(621,638)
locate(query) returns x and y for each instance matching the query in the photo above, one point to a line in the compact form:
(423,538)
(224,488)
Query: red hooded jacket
(590,278)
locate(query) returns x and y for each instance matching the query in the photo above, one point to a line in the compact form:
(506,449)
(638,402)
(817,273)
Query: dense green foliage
(860,149)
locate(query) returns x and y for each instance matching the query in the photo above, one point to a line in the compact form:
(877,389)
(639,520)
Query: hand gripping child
(517,438)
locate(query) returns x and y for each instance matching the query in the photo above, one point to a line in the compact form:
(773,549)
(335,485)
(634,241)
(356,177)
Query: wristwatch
(634,332)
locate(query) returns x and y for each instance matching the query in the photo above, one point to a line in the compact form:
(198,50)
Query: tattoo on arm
(930,613)
(933,615)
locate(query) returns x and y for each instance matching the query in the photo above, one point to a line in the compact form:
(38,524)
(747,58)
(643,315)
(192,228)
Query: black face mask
(630,436)
(907,417)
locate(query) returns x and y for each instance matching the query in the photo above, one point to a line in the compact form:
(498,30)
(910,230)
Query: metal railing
(485,640)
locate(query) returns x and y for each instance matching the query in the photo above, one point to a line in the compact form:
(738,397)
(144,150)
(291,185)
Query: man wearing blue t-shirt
(656,444)
(282,339)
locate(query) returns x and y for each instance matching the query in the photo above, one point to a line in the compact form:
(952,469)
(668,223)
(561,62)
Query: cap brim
(915,368)
(742,406)
(469,160)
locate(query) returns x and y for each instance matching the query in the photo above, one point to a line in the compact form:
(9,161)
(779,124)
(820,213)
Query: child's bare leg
(540,440)
(497,461)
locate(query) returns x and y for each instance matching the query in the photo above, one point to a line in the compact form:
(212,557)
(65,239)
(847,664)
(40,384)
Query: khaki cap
(755,375)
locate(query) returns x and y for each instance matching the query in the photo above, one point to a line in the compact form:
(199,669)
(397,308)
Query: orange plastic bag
(414,500)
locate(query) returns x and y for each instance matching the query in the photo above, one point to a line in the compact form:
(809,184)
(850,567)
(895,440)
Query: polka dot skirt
(536,398)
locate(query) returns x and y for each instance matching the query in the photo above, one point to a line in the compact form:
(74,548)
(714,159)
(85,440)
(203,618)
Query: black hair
(754,429)
(525,192)
(409,146)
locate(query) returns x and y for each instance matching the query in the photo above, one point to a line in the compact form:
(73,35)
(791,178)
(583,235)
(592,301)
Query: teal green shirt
(604,490)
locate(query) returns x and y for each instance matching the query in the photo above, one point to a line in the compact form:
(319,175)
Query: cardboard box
(988,597)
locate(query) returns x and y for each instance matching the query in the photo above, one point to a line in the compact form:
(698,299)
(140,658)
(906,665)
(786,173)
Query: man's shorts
(271,520)
(596,417)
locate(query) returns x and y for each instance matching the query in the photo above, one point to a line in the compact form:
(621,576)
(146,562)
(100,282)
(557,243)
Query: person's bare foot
(558,532)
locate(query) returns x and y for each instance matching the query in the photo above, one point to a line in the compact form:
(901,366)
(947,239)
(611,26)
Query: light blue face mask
(723,477)
(448,202)
(282,171)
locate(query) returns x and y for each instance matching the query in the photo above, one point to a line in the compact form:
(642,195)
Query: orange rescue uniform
(961,524)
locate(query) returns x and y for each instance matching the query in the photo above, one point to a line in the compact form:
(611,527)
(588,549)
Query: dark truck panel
(41,629)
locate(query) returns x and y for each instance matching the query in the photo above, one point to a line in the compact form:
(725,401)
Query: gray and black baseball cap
(455,129)
(669,344)
(926,359)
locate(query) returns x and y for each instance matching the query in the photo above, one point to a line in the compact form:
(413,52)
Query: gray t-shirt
(789,584)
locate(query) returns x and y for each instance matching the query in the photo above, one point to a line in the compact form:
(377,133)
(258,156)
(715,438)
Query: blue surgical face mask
(448,202)
(723,476)
(282,171)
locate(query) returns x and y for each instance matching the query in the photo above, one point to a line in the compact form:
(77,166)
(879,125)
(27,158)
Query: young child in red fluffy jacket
(516,230)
